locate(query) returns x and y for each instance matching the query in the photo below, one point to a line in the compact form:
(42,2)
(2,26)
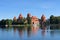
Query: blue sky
(11,8)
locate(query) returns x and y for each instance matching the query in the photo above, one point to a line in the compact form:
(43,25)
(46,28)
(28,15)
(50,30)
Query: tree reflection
(52,33)
(14,30)
(29,31)
(20,31)
(43,30)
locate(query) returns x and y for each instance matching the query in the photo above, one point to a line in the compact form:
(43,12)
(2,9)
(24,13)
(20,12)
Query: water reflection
(52,33)
(20,31)
(43,32)
(15,30)
(30,30)
(54,26)
(30,33)
(35,29)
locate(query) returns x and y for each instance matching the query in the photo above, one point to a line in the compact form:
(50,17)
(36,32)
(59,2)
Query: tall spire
(14,18)
(28,15)
(20,16)
(43,18)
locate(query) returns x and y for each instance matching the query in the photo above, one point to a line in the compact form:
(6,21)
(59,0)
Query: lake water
(29,34)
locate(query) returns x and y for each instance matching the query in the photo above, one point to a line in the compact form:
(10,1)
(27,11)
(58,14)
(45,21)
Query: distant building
(20,16)
(14,18)
(43,18)
(28,18)
(43,21)
(20,19)
(28,15)
(34,20)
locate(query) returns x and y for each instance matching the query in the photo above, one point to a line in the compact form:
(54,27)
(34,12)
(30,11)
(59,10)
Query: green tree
(29,20)
(2,22)
(52,18)
(8,21)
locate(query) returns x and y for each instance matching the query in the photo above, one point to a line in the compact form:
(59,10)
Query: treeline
(54,19)
(16,21)
(4,22)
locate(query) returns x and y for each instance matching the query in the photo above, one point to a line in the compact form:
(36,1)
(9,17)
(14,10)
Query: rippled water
(29,34)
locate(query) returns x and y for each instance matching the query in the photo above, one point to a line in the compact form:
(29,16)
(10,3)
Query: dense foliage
(54,20)
(15,22)
(6,22)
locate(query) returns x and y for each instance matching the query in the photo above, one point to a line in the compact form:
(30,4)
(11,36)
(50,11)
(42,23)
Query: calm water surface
(29,34)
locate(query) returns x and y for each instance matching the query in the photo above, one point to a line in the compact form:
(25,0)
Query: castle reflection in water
(32,31)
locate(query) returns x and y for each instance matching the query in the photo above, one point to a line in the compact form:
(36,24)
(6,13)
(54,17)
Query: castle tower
(14,18)
(43,18)
(28,15)
(20,16)
(35,20)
